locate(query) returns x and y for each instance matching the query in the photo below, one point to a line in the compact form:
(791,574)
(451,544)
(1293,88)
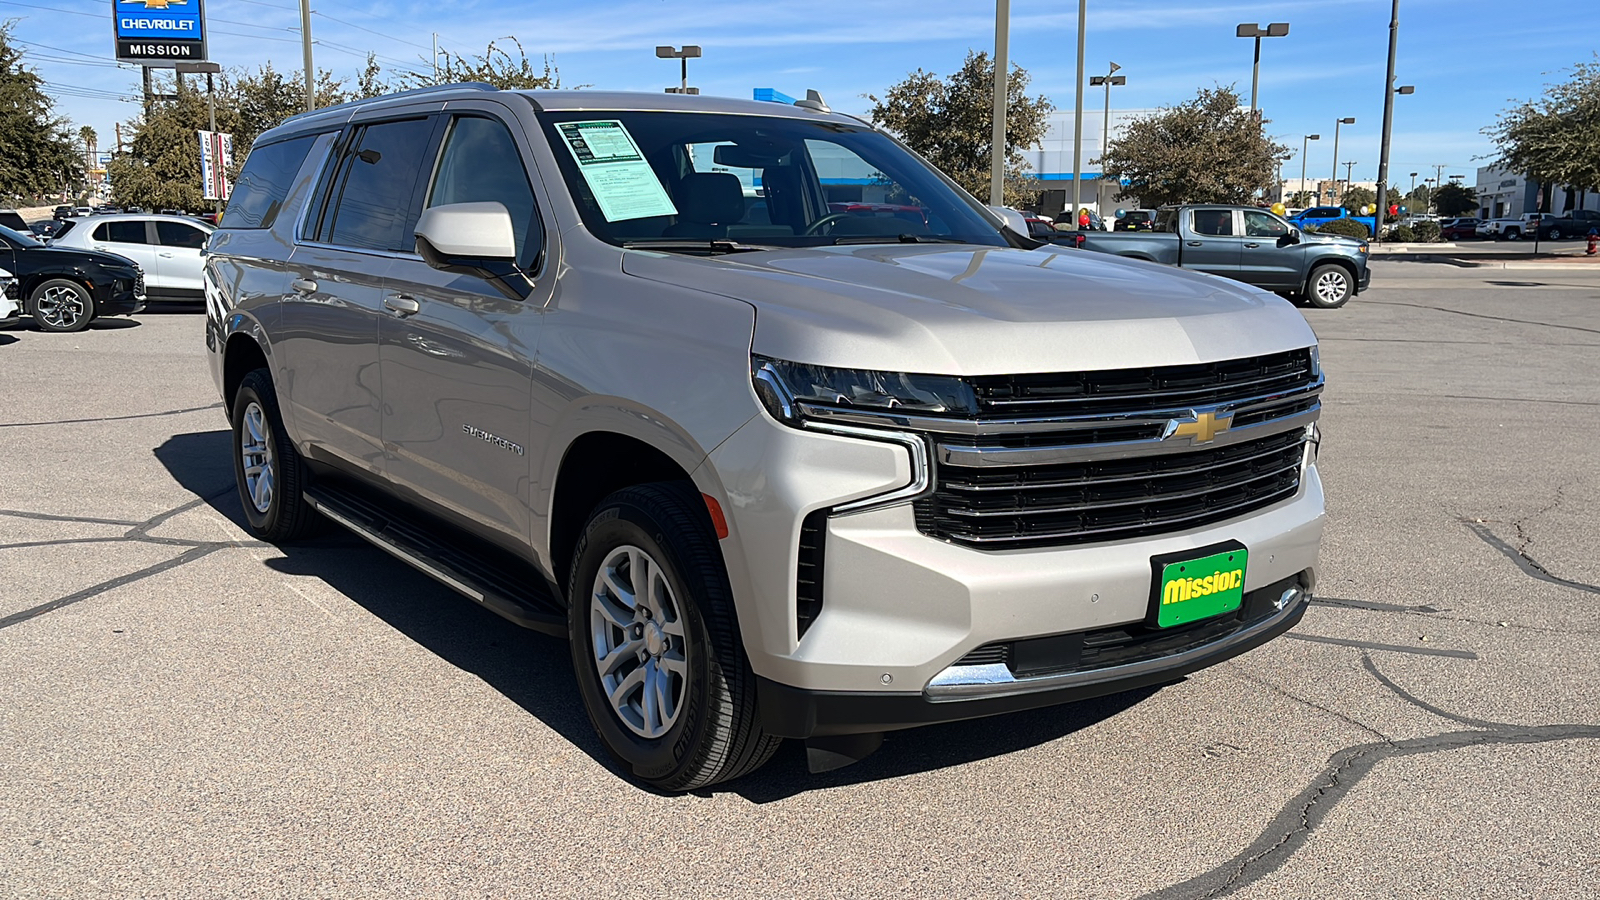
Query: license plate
(1188,590)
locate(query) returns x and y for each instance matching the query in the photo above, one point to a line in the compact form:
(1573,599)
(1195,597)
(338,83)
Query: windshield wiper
(897,238)
(708,246)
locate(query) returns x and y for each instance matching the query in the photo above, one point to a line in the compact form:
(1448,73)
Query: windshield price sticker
(623,183)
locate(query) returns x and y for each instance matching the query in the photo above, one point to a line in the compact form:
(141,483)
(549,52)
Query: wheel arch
(1348,265)
(241,355)
(594,465)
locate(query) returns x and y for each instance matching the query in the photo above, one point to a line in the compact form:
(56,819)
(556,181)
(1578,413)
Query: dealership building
(1502,194)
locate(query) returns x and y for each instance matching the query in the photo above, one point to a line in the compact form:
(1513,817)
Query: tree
(162,169)
(1552,139)
(495,66)
(1208,150)
(950,122)
(1356,196)
(1455,200)
(1302,199)
(267,97)
(37,155)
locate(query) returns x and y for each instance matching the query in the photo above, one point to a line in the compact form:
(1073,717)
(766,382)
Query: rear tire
(1554,235)
(1330,286)
(270,473)
(61,306)
(655,643)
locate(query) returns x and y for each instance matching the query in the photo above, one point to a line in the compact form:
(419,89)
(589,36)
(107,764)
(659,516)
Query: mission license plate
(1194,589)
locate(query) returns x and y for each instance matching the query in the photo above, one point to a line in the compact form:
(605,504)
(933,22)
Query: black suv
(65,289)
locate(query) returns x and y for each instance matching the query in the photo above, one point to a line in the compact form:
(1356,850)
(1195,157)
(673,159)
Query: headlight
(783,386)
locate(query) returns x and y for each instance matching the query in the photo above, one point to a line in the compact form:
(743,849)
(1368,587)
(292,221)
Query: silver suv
(788,435)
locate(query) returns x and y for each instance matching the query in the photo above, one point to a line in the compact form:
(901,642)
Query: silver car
(612,366)
(167,248)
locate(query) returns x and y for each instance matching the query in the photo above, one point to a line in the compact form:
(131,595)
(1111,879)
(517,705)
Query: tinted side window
(481,162)
(1166,221)
(373,209)
(1259,224)
(264,183)
(1215,222)
(120,232)
(177,234)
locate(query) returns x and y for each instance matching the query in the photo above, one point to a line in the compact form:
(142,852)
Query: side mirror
(473,239)
(1012,220)
(1289,239)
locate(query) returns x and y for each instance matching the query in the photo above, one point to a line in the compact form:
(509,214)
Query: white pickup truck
(1515,229)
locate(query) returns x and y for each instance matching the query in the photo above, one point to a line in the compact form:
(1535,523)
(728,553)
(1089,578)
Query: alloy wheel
(255,449)
(1331,286)
(637,637)
(60,307)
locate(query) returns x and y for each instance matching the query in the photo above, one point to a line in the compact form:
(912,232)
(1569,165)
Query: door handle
(1197,243)
(164,255)
(1252,245)
(303,286)
(401,305)
(101,249)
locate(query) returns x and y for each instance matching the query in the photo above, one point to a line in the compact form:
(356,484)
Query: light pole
(1077,116)
(1002,69)
(1108,79)
(305,51)
(1304,146)
(683,56)
(1253,30)
(210,69)
(1336,123)
(1389,90)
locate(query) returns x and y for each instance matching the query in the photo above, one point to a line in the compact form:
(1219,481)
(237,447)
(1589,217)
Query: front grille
(1009,484)
(138,283)
(1118,392)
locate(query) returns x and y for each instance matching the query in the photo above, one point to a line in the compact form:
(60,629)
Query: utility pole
(436,57)
(305,50)
(1002,66)
(1389,91)
(1077,116)
(1347,167)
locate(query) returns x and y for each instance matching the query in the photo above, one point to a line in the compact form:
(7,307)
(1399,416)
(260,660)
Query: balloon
(1122,213)
(1393,209)
(1366,210)
(1279,209)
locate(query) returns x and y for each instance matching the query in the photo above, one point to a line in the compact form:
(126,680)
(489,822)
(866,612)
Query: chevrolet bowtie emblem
(158,4)
(1203,427)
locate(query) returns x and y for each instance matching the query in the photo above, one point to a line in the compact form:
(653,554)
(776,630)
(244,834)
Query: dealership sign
(216,155)
(159,32)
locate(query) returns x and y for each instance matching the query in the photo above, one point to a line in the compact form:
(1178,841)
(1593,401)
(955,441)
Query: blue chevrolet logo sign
(159,30)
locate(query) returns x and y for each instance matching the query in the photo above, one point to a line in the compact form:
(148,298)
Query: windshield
(18,239)
(700,177)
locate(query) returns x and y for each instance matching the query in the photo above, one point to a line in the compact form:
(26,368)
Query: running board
(487,575)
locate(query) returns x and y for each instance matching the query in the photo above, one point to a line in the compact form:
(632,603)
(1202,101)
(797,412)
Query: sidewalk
(1562,255)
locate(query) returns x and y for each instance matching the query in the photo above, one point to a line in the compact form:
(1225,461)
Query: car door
(178,260)
(128,238)
(328,322)
(1262,262)
(1211,241)
(458,354)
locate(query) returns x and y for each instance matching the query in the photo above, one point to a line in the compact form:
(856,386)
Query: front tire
(61,306)
(1329,287)
(655,642)
(269,471)
(1554,235)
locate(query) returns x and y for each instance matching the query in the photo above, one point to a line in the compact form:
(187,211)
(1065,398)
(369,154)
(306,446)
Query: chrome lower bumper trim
(995,680)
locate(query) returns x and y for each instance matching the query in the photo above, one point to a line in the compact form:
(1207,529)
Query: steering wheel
(828,219)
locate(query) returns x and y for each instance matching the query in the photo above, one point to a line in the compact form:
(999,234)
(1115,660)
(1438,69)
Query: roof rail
(431,89)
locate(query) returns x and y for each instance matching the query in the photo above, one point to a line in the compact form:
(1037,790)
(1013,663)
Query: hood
(1318,237)
(73,256)
(966,310)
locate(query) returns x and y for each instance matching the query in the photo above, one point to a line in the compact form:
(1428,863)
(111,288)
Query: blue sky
(1467,58)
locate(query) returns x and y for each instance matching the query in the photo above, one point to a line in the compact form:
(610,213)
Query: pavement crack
(1285,692)
(1518,556)
(184,558)
(1295,822)
(169,412)
(1419,703)
(52,517)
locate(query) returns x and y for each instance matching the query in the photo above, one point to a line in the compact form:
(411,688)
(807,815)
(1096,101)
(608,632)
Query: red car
(1458,229)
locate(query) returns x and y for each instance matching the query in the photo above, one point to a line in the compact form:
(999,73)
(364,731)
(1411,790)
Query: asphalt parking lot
(187,713)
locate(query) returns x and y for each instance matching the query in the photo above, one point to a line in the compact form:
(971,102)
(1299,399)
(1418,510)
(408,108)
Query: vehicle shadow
(8,339)
(534,671)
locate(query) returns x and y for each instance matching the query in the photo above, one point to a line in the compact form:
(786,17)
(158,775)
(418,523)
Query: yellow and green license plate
(1193,589)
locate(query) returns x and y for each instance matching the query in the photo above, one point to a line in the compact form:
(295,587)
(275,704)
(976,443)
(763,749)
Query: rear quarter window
(264,184)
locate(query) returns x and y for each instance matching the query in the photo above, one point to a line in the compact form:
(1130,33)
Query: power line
(370,31)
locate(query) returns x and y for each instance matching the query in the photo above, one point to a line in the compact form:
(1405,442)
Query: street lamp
(1304,146)
(1253,30)
(1108,79)
(1336,123)
(683,56)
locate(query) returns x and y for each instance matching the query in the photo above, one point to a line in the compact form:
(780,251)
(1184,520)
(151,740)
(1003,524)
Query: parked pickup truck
(1249,245)
(1515,229)
(1574,224)
(1318,216)
(816,476)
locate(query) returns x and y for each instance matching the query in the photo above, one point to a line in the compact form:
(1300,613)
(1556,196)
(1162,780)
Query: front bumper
(900,608)
(1366,277)
(957,695)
